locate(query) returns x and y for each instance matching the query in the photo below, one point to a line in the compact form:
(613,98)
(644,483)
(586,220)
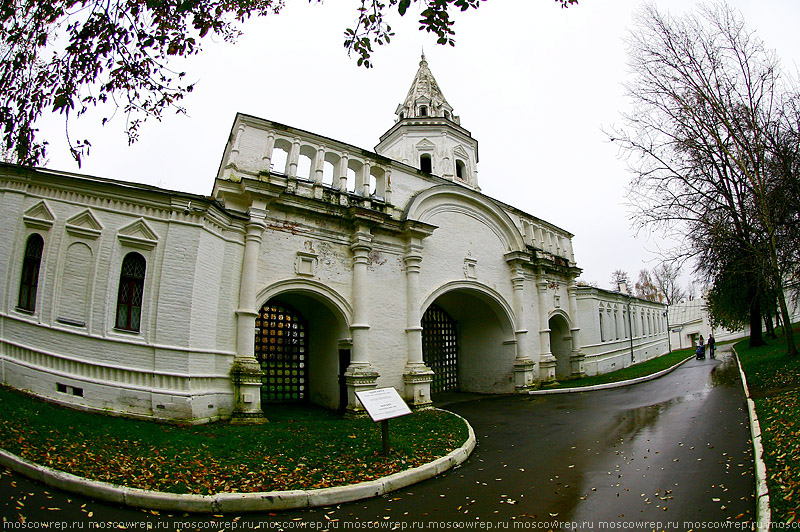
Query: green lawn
(642,369)
(774,382)
(302,447)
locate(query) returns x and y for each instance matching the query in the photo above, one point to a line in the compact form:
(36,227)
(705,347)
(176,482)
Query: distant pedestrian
(701,348)
(712,345)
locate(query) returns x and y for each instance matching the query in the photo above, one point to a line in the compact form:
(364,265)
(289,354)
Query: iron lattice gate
(281,349)
(440,348)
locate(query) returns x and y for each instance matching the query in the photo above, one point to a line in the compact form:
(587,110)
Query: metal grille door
(440,348)
(281,348)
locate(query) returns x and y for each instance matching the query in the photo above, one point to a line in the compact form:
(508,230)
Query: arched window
(602,326)
(461,170)
(425,163)
(423,110)
(30,273)
(131,290)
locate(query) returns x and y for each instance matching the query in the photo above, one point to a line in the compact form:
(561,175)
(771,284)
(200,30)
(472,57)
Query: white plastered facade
(361,244)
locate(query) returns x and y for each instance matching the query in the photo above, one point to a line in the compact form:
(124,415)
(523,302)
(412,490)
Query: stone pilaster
(417,376)
(524,366)
(246,371)
(360,375)
(576,357)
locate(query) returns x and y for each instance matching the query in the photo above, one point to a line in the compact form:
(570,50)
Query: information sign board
(383,403)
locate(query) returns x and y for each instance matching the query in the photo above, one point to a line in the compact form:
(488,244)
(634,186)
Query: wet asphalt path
(670,454)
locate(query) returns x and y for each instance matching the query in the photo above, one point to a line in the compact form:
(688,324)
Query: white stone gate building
(314,269)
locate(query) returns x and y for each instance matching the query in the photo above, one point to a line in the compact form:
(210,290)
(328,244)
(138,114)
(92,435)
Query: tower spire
(428,136)
(425,98)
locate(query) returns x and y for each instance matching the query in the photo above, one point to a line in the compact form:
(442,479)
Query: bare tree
(707,96)
(665,278)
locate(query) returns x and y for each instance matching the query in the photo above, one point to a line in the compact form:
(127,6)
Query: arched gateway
(468,340)
(302,343)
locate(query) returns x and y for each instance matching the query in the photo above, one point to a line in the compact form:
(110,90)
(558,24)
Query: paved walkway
(673,451)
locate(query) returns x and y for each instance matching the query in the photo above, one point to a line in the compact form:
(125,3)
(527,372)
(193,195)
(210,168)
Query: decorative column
(387,194)
(576,357)
(547,362)
(266,157)
(237,141)
(416,376)
(366,174)
(246,371)
(294,156)
(318,168)
(523,363)
(359,375)
(342,179)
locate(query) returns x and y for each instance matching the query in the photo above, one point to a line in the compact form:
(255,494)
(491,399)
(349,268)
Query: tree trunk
(768,323)
(791,348)
(756,337)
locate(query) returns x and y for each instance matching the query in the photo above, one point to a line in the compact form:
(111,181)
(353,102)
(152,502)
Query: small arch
(29,280)
(560,342)
(377,182)
(305,162)
(423,110)
(426,163)
(447,115)
(354,176)
(330,164)
(279,161)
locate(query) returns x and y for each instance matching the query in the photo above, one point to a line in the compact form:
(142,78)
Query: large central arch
(484,337)
(318,323)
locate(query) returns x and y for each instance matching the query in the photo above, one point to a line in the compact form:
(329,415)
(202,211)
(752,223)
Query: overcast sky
(533,83)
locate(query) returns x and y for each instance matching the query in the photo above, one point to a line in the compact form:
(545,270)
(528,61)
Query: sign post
(382,404)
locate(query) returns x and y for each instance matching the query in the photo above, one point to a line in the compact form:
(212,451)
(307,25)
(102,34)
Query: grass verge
(774,382)
(648,367)
(302,447)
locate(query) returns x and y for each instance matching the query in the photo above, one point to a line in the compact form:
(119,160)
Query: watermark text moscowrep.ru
(333,524)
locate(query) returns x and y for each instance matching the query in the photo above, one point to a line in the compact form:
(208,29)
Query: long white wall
(618,330)
(68,349)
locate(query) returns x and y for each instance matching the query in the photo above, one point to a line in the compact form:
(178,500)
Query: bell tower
(428,135)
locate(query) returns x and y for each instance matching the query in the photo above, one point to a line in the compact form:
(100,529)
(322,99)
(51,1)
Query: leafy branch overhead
(69,56)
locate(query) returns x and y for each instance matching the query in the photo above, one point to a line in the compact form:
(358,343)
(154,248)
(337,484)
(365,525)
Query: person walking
(712,345)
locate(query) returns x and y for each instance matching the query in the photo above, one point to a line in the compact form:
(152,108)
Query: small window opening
(423,110)
(447,115)
(461,172)
(425,163)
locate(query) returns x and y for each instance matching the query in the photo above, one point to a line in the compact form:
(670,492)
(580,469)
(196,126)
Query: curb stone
(609,385)
(239,502)
(763,512)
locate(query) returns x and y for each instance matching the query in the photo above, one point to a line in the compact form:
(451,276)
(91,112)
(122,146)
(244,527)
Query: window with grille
(282,350)
(30,273)
(131,290)
(440,348)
